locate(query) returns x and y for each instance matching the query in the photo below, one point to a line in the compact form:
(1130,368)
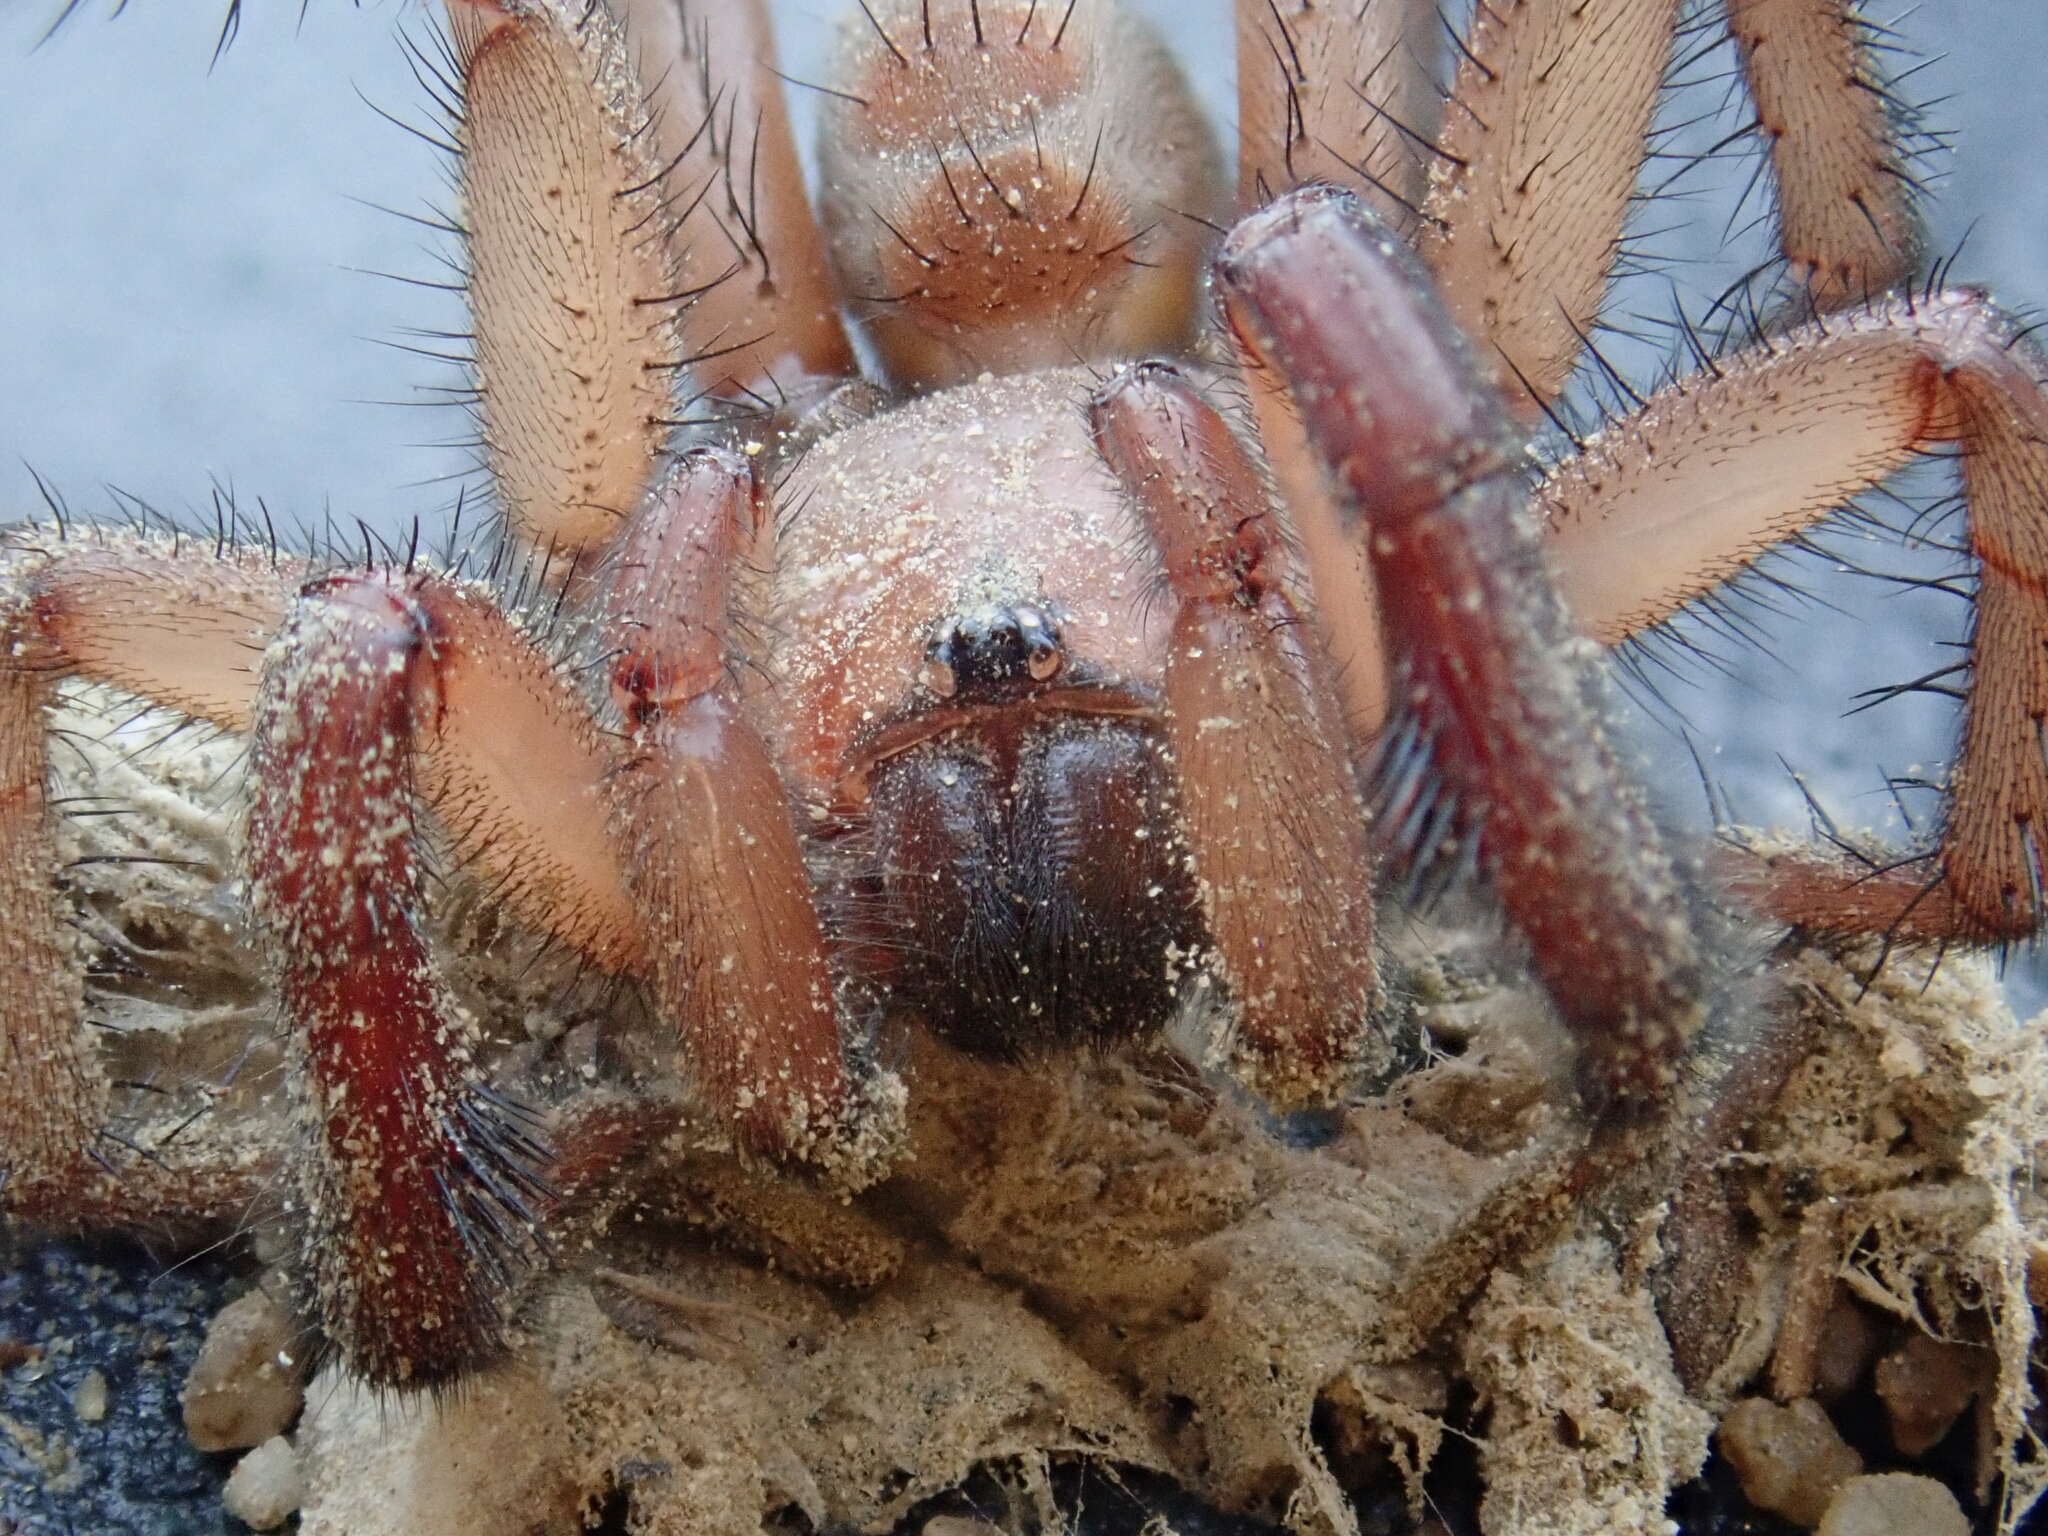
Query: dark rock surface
(67,1310)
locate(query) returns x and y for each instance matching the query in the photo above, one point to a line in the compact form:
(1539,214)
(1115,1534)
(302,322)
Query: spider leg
(1272,819)
(1347,608)
(1343,94)
(1521,237)
(1761,447)
(1846,215)
(145,615)
(1498,734)
(1543,139)
(624,240)
(423,1190)
(429,1194)
(573,296)
(765,321)
(735,947)
(1346,95)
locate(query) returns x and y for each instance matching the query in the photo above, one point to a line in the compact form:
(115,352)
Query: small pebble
(247,1384)
(1926,1384)
(1894,1504)
(89,1397)
(1790,1459)
(266,1488)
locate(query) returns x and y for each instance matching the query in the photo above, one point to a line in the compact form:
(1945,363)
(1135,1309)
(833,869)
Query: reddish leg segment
(1272,818)
(422,1191)
(1497,743)
(733,939)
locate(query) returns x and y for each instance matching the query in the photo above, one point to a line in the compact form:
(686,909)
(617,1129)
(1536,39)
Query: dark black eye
(991,646)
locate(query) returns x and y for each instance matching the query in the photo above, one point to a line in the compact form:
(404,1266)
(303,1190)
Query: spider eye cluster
(991,647)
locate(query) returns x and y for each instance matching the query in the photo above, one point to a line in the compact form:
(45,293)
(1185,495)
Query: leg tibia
(1497,745)
(1272,817)
(733,941)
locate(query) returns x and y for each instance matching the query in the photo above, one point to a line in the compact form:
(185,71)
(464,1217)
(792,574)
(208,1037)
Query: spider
(1004,677)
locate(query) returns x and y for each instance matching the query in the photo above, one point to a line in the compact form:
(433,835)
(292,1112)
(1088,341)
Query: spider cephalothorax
(1026,691)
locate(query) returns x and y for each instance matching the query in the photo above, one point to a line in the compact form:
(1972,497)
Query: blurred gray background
(184,303)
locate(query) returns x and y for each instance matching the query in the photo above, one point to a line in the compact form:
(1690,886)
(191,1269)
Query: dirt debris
(267,1487)
(1894,1504)
(248,1383)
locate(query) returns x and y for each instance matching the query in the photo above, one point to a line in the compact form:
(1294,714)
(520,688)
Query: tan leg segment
(515,770)
(742,230)
(575,301)
(1341,91)
(185,628)
(1847,220)
(735,946)
(1715,470)
(1346,610)
(1272,816)
(1542,142)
